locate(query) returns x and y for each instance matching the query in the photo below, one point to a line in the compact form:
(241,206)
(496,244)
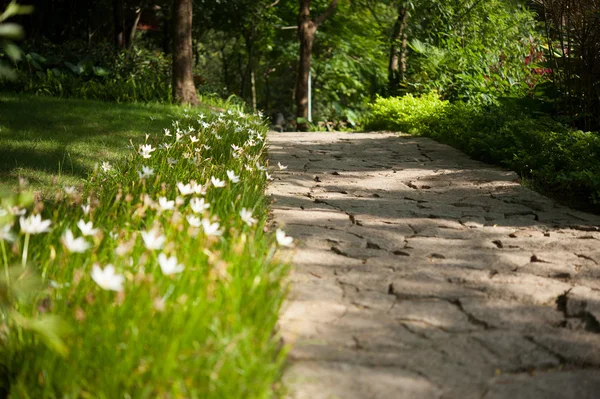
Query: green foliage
(406,113)
(349,69)
(69,71)
(472,51)
(557,158)
(9,32)
(207,331)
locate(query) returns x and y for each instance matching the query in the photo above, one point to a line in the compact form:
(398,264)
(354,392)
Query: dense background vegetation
(512,82)
(474,51)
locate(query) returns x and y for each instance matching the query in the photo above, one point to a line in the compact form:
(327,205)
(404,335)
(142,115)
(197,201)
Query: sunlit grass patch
(60,141)
(156,278)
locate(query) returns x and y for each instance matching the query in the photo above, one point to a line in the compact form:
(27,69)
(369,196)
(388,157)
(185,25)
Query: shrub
(129,76)
(404,113)
(556,157)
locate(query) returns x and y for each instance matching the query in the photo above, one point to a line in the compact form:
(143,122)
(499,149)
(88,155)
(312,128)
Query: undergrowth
(554,157)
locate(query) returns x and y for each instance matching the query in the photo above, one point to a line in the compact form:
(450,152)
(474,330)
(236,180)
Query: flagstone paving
(421,273)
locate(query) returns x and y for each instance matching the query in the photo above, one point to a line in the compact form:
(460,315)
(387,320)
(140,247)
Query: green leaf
(76,69)
(49,328)
(11,31)
(99,71)
(15,9)
(7,72)
(12,51)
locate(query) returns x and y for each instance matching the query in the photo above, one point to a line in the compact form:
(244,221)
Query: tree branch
(273,4)
(321,18)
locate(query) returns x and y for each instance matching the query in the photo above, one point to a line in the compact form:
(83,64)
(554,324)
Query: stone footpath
(421,273)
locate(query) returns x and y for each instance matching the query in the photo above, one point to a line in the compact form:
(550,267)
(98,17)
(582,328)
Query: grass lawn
(52,142)
(154,276)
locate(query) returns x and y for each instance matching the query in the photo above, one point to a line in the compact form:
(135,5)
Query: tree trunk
(253,89)
(119,22)
(397,64)
(307,28)
(184,91)
(136,21)
(306,33)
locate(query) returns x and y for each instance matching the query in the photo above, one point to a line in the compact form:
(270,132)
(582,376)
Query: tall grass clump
(153,280)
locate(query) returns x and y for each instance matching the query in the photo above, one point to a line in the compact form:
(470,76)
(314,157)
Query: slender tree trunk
(306,33)
(253,89)
(397,63)
(184,91)
(119,23)
(90,22)
(136,21)
(307,28)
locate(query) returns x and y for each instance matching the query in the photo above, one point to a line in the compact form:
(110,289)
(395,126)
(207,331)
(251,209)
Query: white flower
(69,190)
(197,188)
(167,132)
(194,139)
(232,176)
(165,146)
(281,167)
(193,220)
(282,239)
(171,161)
(146,172)
(169,265)
(107,279)
(153,239)
(216,182)
(248,168)
(198,205)
(246,216)
(87,229)
(218,137)
(185,189)
(15,210)
(73,244)
(206,147)
(165,204)
(34,224)
(5,234)
(201,116)
(86,209)
(146,150)
(236,148)
(106,166)
(211,229)
(178,136)
(269,177)
(260,167)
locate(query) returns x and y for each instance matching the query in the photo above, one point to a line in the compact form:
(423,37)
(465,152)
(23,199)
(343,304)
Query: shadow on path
(423,273)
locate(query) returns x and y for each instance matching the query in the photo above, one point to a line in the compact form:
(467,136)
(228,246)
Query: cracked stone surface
(421,273)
